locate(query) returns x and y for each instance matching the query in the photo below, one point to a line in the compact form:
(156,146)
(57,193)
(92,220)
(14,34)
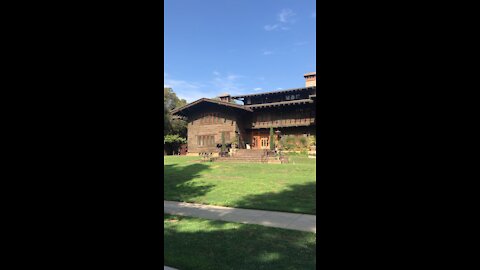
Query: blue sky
(237,46)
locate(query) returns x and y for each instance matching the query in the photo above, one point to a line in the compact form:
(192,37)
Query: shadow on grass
(178,185)
(204,244)
(298,198)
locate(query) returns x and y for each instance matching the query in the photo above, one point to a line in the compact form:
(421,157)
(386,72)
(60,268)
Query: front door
(264,143)
(260,141)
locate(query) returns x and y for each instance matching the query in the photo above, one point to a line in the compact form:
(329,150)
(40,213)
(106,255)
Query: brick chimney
(225,97)
(310,79)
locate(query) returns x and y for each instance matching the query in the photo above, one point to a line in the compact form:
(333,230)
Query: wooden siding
(206,125)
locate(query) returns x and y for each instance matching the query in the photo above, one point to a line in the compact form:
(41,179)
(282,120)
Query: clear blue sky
(237,46)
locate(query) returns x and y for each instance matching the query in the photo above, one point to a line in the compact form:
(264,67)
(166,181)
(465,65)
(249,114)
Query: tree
(237,140)
(272,139)
(172,125)
(178,126)
(170,99)
(223,142)
(166,121)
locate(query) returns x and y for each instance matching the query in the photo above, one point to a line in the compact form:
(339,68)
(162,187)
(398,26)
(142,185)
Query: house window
(210,118)
(206,140)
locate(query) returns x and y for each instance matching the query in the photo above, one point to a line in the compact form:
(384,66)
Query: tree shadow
(298,198)
(191,243)
(178,185)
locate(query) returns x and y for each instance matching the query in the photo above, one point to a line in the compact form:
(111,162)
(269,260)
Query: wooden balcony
(284,123)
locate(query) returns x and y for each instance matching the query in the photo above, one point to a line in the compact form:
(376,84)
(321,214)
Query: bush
(302,142)
(294,143)
(287,142)
(174,139)
(272,140)
(173,142)
(312,141)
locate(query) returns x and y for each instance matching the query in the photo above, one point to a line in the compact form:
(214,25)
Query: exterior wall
(300,120)
(311,83)
(285,131)
(228,123)
(288,116)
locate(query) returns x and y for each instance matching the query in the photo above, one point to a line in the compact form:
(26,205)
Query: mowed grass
(192,243)
(276,187)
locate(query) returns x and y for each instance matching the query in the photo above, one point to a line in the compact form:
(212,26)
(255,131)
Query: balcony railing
(284,123)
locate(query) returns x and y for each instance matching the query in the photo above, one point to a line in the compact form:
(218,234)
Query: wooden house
(290,111)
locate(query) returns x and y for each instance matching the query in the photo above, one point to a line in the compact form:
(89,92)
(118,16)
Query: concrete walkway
(168,268)
(299,222)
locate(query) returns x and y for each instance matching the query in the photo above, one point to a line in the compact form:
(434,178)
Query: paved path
(299,222)
(168,268)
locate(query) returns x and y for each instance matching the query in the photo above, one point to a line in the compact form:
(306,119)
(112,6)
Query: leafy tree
(223,142)
(173,125)
(170,99)
(237,140)
(166,121)
(178,126)
(175,129)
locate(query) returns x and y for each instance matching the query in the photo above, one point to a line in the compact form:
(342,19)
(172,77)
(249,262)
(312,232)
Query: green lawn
(192,243)
(278,187)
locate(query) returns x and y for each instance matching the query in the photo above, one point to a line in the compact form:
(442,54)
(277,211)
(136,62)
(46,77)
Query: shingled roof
(228,104)
(276,92)
(281,103)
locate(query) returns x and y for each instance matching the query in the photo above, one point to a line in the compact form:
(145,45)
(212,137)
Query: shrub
(223,142)
(237,140)
(312,141)
(173,142)
(287,142)
(303,142)
(172,139)
(300,143)
(272,140)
